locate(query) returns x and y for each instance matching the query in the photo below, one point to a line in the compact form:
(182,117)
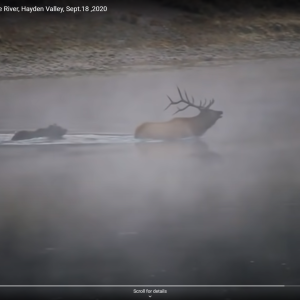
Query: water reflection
(193,148)
(63,216)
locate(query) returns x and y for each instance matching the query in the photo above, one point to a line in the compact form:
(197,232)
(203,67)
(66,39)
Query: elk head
(204,108)
(207,116)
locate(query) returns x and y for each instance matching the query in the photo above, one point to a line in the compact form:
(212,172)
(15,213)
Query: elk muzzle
(220,114)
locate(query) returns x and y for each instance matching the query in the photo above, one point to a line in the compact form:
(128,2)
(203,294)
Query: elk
(178,128)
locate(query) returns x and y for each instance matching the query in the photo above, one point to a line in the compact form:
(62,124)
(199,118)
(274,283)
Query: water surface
(223,209)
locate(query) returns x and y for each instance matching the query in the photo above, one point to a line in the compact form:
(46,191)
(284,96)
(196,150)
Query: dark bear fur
(51,132)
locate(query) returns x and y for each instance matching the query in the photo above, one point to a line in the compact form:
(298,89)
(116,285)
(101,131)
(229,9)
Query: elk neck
(201,123)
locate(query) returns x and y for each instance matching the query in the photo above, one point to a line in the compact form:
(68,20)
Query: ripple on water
(76,139)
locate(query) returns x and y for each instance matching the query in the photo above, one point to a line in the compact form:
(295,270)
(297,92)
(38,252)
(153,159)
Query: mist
(219,210)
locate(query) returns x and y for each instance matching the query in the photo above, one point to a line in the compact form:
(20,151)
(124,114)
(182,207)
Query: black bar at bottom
(128,293)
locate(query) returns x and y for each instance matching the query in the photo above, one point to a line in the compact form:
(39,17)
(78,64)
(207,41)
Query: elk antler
(187,101)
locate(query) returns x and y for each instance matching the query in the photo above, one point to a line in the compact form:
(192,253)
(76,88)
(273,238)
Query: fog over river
(223,209)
